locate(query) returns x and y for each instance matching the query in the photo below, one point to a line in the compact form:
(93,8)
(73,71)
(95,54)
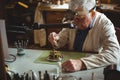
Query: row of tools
(30,75)
(21,44)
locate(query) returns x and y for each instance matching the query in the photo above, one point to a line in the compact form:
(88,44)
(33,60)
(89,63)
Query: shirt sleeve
(64,33)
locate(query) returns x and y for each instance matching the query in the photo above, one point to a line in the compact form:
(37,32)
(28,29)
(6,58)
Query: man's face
(82,19)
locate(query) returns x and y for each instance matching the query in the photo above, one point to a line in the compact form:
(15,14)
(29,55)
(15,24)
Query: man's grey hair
(86,4)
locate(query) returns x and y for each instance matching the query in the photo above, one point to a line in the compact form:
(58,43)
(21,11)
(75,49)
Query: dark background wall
(2,11)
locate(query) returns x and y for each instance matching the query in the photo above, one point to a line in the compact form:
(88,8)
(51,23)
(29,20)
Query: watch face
(55,56)
(67,78)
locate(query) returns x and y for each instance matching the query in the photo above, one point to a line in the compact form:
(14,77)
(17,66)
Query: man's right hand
(53,38)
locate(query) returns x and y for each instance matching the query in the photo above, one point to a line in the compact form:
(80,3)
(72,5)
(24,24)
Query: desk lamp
(8,57)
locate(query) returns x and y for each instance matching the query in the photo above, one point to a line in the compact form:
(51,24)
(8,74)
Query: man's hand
(53,38)
(73,65)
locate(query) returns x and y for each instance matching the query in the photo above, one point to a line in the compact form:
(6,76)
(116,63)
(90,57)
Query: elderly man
(94,32)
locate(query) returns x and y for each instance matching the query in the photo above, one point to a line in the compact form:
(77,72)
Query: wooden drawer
(54,16)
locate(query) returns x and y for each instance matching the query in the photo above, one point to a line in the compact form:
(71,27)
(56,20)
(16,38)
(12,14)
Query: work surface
(28,62)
